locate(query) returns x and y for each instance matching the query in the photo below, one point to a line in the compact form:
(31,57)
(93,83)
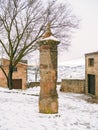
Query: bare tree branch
(23,22)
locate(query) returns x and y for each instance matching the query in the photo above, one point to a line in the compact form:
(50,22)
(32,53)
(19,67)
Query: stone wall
(91,69)
(33,84)
(36,84)
(72,85)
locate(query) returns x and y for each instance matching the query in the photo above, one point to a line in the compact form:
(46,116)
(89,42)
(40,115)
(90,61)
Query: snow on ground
(19,108)
(19,111)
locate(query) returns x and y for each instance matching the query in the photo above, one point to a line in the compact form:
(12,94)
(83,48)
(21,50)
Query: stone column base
(48,105)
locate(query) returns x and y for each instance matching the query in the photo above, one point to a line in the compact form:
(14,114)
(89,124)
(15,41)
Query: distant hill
(73,69)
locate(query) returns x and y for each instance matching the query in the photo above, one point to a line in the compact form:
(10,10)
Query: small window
(15,69)
(91,61)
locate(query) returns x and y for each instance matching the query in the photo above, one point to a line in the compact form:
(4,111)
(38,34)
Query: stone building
(91,74)
(19,75)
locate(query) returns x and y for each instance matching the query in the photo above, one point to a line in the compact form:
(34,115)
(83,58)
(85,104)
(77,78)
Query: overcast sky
(85,39)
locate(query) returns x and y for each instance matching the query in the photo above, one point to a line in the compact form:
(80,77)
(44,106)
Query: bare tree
(22,23)
(63,21)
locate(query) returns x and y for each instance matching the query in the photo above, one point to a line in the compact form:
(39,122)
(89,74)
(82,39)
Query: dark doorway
(17,83)
(91,84)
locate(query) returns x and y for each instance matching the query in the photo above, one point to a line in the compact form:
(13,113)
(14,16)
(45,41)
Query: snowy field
(19,111)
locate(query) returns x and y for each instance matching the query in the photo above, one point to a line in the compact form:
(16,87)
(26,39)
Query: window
(91,61)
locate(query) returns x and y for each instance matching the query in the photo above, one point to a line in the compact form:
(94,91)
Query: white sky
(86,37)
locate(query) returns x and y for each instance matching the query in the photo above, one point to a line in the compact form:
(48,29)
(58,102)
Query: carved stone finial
(48,32)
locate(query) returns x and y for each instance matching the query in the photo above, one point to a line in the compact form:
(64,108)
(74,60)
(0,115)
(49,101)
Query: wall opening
(91,84)
(17,83)
(91,62)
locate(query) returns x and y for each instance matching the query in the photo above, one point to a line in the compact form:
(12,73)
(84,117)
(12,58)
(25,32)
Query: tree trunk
(10,82)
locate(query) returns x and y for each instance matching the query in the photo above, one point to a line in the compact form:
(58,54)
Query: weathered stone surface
(48,105)
(72,85)
(48,100)
(91,70)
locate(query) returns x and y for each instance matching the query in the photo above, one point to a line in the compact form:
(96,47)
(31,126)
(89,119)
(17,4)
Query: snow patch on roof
(50,38)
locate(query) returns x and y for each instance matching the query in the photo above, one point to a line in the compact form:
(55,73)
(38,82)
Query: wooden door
(91,84)
(17,83)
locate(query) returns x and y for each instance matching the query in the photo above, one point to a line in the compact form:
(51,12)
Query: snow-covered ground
(19,111)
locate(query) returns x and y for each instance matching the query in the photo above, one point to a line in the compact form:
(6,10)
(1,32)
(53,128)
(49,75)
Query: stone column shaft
(48,100)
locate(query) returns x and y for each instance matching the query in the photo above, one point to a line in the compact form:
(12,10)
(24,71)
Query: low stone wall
(35,84)
(72,85)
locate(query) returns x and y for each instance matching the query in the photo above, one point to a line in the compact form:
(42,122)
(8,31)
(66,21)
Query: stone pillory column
(48,100)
